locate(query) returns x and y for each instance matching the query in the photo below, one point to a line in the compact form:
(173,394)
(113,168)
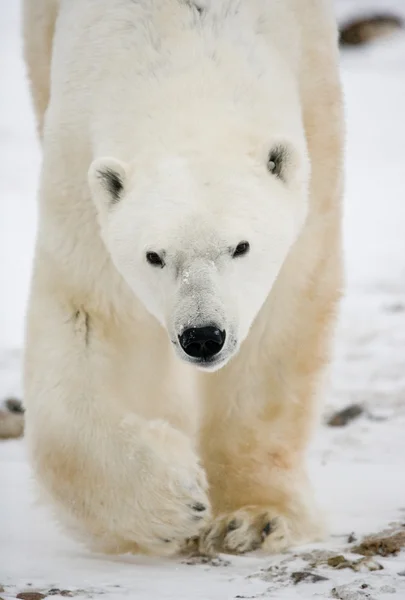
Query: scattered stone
(336,562)
(352,538)
(212,561)
(346,592)
(360,564)
(14,406)
(1,588)
(11,419)
(362,31)
(30,596)
(345,416)
(401,573)
(307,576)
(58,592)
(381,545)
(275,574)
(366,564)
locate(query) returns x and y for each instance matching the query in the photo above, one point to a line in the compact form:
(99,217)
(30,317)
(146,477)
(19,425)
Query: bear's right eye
(155,260)
(241,249)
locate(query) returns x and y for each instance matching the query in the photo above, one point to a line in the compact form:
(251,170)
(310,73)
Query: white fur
(184,107)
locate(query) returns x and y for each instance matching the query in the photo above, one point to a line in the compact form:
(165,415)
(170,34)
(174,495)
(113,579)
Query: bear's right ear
(107,178)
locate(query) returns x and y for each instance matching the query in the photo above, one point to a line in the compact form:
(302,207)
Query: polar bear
(187,268)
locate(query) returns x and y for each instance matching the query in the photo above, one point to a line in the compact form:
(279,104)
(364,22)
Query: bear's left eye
(155,260)
(241,249)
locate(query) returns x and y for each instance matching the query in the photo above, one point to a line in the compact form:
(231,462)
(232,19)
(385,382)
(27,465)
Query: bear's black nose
(202,342)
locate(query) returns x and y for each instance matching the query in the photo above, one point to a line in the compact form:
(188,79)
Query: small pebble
(369,28)
(307,576)
(345,416)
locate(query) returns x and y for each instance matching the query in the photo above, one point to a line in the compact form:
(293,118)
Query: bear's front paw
(250,528)
(173,491)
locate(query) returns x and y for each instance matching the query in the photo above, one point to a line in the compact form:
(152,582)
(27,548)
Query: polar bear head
(202,244)
(201,234)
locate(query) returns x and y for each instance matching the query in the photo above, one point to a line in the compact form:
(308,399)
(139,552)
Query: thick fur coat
(187,267)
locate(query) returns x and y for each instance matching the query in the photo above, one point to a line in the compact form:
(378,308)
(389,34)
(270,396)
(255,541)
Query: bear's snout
(202,343)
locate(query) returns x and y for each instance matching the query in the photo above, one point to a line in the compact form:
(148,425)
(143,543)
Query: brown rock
(361,31)
(30,596)
(381,545)
(361,564)
(15,406)
(11,419)
(343,417)
(337,562)
(307,576)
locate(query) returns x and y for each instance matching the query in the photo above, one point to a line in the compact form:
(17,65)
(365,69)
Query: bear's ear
(107,178)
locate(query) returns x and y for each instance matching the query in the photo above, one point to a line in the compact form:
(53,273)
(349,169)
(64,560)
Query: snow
(358,470)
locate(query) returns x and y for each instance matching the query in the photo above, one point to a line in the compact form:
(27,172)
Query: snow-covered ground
(359,470)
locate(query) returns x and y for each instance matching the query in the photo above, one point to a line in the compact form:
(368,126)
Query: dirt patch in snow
(383,544)
(361,564)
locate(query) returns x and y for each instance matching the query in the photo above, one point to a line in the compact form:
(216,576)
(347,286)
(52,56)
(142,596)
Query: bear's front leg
(259,490)
(121,481)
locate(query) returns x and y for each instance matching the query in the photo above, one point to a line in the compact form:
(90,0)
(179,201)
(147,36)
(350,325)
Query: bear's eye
(241,249)
(275,161)
(154,259)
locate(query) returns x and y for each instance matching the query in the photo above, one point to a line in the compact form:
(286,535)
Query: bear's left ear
(107,178)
